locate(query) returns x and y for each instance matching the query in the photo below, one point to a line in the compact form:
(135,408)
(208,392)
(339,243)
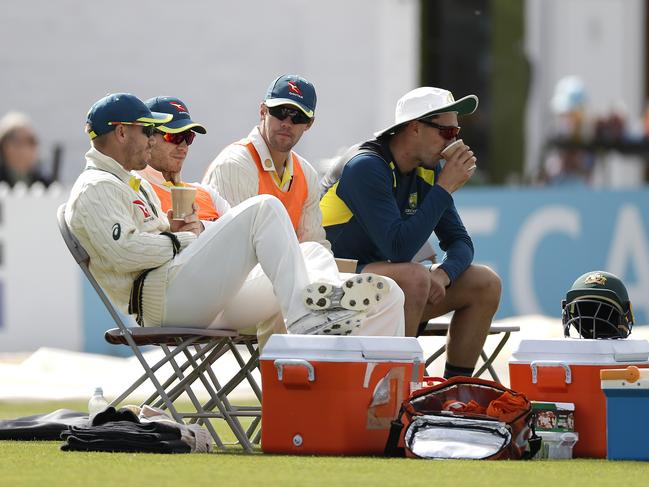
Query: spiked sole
(341,327)
(357,293)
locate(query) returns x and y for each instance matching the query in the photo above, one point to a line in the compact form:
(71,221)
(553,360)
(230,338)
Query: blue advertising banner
(540,240)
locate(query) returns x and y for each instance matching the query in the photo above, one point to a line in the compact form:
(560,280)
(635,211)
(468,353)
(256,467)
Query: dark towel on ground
(119,431)
(75,444)
(48,426)
(112,414)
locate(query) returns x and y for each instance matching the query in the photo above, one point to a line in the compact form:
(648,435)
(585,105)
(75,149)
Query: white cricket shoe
(357,293)
(329,322)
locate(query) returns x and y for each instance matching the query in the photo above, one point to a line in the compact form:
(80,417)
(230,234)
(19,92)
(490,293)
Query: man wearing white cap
(384,199)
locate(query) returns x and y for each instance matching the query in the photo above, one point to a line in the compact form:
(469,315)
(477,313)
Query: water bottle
(96,404)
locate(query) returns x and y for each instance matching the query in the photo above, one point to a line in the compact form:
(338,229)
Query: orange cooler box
(334,395)
(567,370)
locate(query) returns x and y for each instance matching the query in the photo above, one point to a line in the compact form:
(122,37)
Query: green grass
(43,464)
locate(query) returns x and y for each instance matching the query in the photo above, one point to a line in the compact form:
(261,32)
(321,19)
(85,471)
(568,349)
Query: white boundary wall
(218,57)
(41,296)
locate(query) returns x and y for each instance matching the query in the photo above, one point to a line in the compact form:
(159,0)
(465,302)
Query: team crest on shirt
(140,204)
(412,204)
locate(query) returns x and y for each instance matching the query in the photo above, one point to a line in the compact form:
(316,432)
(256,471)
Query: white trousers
(247,270)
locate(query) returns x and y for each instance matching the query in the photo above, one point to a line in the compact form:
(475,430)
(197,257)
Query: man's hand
(190,223)
(458,169)
(438,282)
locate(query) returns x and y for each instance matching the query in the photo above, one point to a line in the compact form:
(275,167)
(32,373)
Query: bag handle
(534,441)
(433,380)
(391,446)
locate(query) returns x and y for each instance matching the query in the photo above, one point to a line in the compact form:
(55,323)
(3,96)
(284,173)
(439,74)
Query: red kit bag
(467,418)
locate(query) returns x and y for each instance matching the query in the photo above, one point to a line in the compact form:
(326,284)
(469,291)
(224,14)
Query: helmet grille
(593,318)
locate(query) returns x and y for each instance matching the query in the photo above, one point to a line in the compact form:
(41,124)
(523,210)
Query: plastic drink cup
(182,199)
(451,148)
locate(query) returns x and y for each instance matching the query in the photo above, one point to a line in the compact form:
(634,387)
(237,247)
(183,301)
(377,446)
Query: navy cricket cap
(180,121)
(291,89)
(106,113)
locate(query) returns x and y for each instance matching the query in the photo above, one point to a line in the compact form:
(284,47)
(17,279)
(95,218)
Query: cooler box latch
(548,374)
(294,371)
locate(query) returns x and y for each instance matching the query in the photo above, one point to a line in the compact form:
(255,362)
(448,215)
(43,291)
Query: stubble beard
(282,146)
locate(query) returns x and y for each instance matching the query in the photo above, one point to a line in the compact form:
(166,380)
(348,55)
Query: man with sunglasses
(265,318)
(383,200)
(265,163)
(169,153)
(170,272)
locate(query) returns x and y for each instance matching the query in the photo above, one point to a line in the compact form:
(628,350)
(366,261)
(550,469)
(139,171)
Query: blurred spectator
(565,165)
(19,151)
(569,106)
(612,127)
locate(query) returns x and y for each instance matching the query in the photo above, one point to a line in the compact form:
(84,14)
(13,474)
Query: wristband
(175,243)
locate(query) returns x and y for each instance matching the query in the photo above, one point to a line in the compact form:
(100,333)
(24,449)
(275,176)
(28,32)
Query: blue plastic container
(627,418)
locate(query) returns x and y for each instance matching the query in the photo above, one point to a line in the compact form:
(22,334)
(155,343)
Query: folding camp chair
(435,328)
(199,347)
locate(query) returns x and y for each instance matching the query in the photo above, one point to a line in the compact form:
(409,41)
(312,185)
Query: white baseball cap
(425,101)
(569,95)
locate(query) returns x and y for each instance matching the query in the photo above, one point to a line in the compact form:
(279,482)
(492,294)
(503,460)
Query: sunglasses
(297,117)
(448,132)
(147,128)
(186,136)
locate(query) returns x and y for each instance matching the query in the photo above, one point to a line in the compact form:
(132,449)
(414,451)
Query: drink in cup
(182,199)
(451,148)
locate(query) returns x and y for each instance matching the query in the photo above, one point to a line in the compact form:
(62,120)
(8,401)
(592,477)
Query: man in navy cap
(184,272)
(265,163)
(172,141)
(164,171)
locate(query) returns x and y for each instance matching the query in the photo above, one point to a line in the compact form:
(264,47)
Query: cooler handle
(535,364)
(630,374)
(280,363)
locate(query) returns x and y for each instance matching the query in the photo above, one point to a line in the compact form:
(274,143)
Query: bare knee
(415,284)
(487,285)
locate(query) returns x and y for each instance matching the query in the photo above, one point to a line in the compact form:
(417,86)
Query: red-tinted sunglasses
(180,137)
(448,132)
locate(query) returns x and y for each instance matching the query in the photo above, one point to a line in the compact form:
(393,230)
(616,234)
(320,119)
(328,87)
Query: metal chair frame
(199,347)
(436,328)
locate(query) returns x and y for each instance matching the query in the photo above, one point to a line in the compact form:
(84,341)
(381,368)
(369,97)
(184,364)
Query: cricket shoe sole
(358,293)
(338,322)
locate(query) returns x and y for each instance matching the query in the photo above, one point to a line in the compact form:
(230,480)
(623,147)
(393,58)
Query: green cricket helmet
(597,306)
